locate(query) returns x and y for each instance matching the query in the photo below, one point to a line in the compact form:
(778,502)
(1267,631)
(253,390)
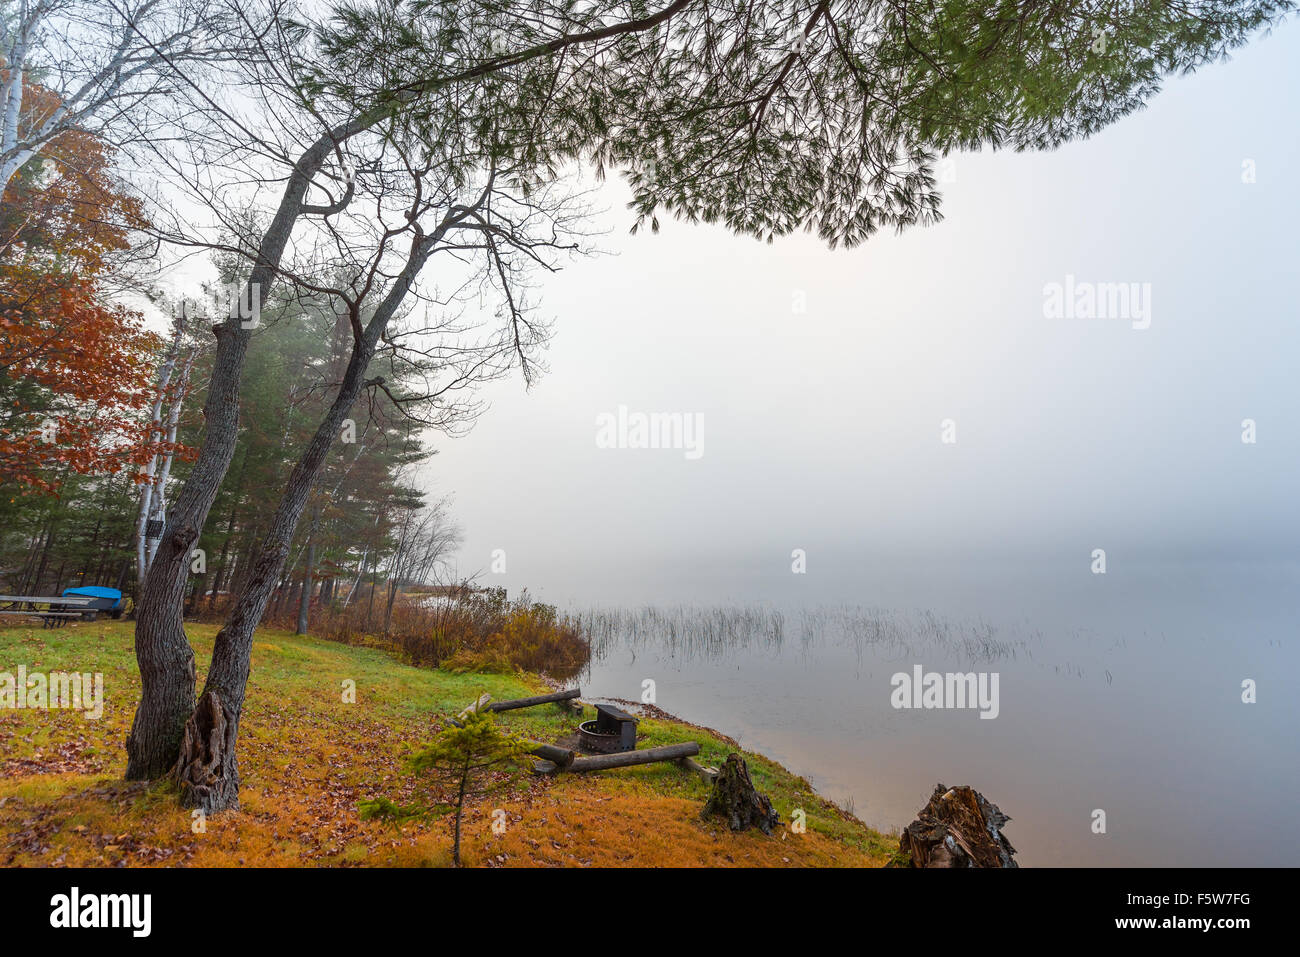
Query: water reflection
(1126,701)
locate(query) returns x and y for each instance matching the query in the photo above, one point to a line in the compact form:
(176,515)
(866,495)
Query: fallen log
(478,705)
(626,759)
(690,764)
(562,758)
(531,702)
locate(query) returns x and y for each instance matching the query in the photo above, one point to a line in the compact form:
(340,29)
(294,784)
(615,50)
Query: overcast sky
(822,428)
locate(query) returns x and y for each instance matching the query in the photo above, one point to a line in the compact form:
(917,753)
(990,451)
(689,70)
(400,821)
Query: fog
(823,378)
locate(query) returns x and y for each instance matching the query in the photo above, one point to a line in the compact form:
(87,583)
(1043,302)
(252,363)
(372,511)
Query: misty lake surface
(1119,693)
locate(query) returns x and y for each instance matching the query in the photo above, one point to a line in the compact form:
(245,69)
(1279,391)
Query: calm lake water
(1118,692)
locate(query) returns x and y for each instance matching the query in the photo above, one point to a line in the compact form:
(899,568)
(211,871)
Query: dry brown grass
(78,821)
(593,823)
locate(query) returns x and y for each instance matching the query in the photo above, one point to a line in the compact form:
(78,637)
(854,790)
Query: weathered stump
(957,828)
(735,798)
(206,771)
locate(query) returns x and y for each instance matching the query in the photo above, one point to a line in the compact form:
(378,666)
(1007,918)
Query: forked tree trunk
(161,649)
(207,766)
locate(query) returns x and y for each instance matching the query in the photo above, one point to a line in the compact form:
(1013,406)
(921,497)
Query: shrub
(465,631)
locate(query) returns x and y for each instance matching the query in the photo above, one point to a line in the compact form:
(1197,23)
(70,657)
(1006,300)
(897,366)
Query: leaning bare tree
(405,199)
(766,116)
(489,224)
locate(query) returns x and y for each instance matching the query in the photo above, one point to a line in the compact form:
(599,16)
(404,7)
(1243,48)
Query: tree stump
(735,798)
(206,771)
(957,828)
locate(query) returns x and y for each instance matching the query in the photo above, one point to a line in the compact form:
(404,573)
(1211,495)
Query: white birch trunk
(143,554)
(158,500)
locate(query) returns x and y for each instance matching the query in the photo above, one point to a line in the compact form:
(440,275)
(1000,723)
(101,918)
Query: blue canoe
(107,599)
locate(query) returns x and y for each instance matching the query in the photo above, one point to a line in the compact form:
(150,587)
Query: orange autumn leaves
(75,368)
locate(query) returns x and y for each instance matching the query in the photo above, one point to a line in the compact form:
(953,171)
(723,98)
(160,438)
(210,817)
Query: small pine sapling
(455,761)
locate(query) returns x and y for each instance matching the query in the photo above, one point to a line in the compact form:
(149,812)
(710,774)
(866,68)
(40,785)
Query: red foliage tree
(75,368)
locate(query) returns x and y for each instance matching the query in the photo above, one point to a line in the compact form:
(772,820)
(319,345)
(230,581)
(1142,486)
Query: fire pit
(613,730)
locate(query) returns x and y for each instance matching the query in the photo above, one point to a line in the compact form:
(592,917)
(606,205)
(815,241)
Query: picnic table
(59,609)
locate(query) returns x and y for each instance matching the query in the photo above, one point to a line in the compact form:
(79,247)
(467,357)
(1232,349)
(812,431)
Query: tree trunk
(163,652)
(196,594)
(231,653)
(158,500)
(207,757)
(208,737)
(735,798)
(460,809)
(94,540)
(164,655)
(26,586)
(219,577)
(122,572)
(282,591)
(45,558)
(151,487)
(628,759)
(388,609)
(516,703)
(243,560)
(161,648)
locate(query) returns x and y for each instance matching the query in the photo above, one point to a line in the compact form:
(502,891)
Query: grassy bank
(307,758)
